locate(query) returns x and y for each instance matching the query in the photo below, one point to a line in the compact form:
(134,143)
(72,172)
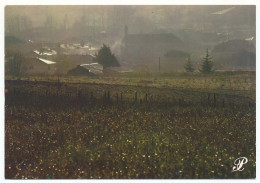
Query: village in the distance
(59,41)
(130,92)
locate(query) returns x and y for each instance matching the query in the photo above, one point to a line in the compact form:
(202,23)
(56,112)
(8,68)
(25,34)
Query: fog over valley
(137,35)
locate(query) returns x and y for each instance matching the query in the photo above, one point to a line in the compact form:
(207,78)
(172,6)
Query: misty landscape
(130,92)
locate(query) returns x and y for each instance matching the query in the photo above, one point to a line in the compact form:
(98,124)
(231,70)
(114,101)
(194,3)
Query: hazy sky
(141,18)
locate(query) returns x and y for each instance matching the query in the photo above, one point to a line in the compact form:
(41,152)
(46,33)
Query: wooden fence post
(91,94)
(79,94)
(215,99)
(104,96)
(108,96)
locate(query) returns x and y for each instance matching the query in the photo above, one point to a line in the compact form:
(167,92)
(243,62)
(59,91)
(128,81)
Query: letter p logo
(239,162)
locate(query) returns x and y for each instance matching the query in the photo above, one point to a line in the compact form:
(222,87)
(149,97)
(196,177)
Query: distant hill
(244,59)
(234,54)
(234,46)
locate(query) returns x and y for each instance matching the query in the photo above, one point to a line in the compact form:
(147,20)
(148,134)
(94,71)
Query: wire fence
(119,94)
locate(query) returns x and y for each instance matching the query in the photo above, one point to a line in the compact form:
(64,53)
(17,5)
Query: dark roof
(80,71)
(151,38)
(177,54)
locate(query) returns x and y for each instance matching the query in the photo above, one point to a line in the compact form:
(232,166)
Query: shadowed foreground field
(67,137)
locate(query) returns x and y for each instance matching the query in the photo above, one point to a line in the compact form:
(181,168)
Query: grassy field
(83,129)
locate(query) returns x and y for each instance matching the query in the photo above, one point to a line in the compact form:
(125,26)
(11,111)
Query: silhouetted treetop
(106,58)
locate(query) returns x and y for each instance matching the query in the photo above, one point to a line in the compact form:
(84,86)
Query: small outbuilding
(80,71)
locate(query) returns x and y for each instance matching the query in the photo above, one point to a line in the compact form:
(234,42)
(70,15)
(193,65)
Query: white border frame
(127,2)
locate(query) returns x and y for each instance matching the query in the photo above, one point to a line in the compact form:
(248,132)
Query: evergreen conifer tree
(106,58)
(188,67)
(207,64)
